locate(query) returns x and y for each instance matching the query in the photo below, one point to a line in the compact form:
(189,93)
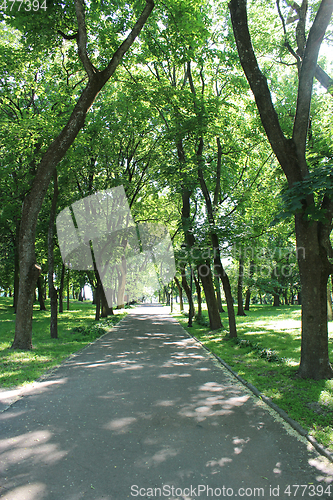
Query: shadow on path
(146,412)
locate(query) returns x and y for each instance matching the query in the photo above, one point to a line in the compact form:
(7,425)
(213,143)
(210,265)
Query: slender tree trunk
(188,292)
(50,257)
(218,294)
(40,287)
(206,277)
(276,299)
(240,311)
(61,289)
(29,270)
(204,269)
(122,269)
(67,289)
(98,302)
(198,289)
(16,267)
(226,287)
(248,290)
(180,293)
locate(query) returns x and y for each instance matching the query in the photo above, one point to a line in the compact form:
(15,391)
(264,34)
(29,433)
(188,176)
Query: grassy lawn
(267,355)
(76,329)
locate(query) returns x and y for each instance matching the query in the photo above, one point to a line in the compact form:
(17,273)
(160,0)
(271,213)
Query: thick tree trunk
(314,271)
(29,271)
(50,257)
(240,308)
(312,237)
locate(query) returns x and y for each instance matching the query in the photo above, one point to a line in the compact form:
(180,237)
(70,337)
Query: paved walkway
(146,412)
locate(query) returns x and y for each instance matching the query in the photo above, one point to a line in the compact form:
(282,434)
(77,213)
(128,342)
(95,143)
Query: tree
(312,220)
(29,270)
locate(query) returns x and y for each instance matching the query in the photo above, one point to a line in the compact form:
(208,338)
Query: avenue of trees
(217,120)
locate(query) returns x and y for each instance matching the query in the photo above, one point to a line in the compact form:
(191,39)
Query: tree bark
(218,267)
(240,308)
(312,236)
(189,295)
(198,290)
(29,271)
(218,294)
(16,267)
(67,289)
(40,286)
(203,266)
(61,289)
(180,293)
(248,290)
(50,257)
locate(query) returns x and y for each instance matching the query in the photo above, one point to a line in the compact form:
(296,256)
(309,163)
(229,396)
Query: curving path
(146,412)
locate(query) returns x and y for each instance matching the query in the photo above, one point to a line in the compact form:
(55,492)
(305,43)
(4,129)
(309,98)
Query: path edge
(21,389)
(295,425)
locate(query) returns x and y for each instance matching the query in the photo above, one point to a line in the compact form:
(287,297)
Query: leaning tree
(313,218)
(92,52)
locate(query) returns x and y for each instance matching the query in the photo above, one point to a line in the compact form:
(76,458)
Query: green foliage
(268,354)
(318,183)
(21,367)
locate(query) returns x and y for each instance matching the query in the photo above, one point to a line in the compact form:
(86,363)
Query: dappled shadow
(145,405)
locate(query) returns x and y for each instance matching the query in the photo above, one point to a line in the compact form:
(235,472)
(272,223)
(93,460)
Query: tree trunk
(218,294)
(29,271)
(40,286)
(50,257)
(276,299)
(198,289)
(180,293)
(227,289)
(61,289)
(97,302)
(16,268)
(312,236)
(188,292)
(204,269)
(314,272)
(206,277)
(122,270)
(248,290)
(240,308)
(67,289)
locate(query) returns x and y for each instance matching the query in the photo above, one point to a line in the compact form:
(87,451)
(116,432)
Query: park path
(146,412)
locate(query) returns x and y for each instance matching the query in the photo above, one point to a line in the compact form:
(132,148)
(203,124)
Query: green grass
(76,329)
(274,333)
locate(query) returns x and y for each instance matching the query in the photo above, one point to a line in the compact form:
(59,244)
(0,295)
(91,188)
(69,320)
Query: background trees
(179,129)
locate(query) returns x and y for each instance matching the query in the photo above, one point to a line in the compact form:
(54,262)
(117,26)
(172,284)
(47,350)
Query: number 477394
(26,5)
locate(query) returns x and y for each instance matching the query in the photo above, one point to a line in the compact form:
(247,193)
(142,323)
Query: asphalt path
(146,412)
